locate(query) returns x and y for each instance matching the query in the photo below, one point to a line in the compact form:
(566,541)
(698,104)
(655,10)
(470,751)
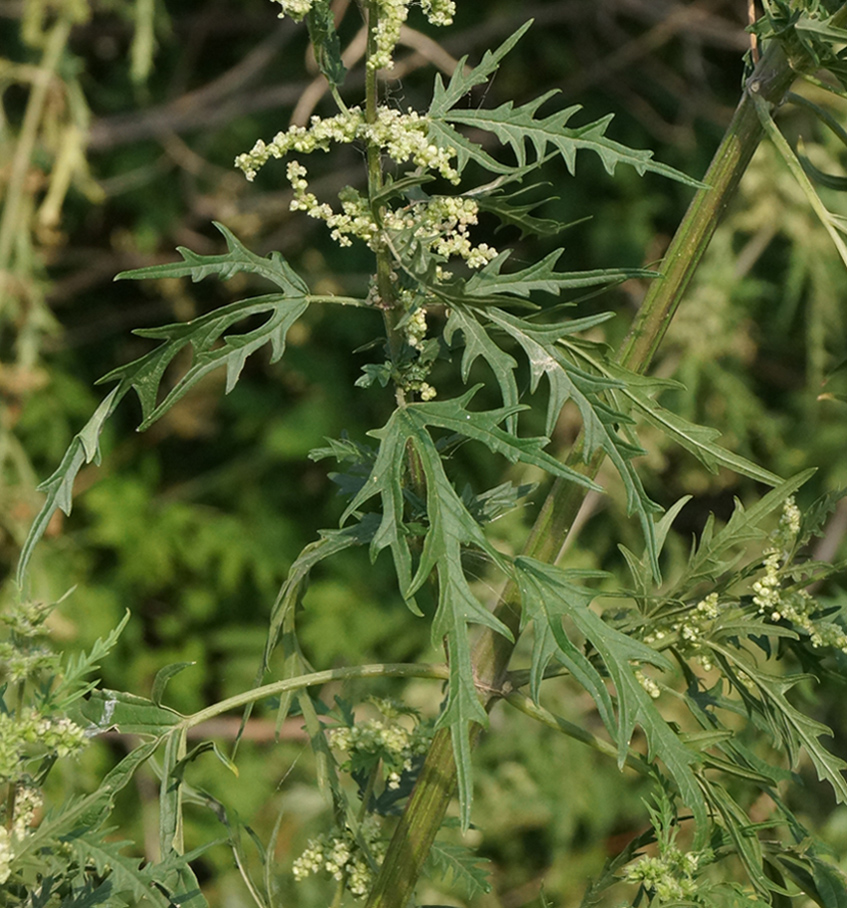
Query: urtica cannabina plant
(699,646)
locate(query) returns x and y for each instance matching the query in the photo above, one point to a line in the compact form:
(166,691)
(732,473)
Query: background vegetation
(120,122)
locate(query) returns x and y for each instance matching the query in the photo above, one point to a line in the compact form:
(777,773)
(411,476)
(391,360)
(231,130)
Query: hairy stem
(437,783)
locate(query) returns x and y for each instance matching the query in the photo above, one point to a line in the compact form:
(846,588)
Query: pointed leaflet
(237,259)
(744,524)
(451,529)
(479,343)
(408,425)
(489,281)
(144,375)
(283,614)
(600,422)
(517,126)
(205,335)
(549,596)
(789,725)
(320,21)
(699,440)
(127,873)
(84,448)
(462,80)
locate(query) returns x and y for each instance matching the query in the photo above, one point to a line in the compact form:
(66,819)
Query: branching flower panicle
(796,606)
(388,743)
(340,855)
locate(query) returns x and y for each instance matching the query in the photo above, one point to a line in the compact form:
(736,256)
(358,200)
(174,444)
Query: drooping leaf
(320,21)
(451,529)
(204,335)
(211,348)
(282,626)
(699,440)
(790,158)
(163,676)
(601,423)
(746,844)
(84,448)
(549,596)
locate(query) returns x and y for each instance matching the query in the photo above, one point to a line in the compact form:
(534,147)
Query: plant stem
(436,785)
(377,670)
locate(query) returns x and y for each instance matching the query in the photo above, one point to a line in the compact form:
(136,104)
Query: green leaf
(84,448)
(489,282)
(170,795)
(790,727)
(88,812)
(211,349)
(282,626)
(126,873)
(821,881)
(708,558)
(548,595)
(451,530)
(746,843)
(519,126)
(465,78)
(459,865)
(72,685)
(320,22)
(160,682)
(478,343)
(548,357)
(236,260)
(520,216)
(790,159)
(699,440)
(124,712)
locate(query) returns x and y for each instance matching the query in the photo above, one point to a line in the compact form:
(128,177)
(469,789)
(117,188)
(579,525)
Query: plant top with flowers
(699,641)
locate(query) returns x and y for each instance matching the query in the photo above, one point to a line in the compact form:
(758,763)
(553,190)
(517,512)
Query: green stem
(377,670)
(385,281)
(428,803)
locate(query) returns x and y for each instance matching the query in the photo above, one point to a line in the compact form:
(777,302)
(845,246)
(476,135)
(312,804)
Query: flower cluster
(404,137)
(28,801)
(648,684)
(691,631)
(342,857)
(796,606)
(29,729)
(442,223)
(296,9)
(377,740)
(669,877)
(391,14)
